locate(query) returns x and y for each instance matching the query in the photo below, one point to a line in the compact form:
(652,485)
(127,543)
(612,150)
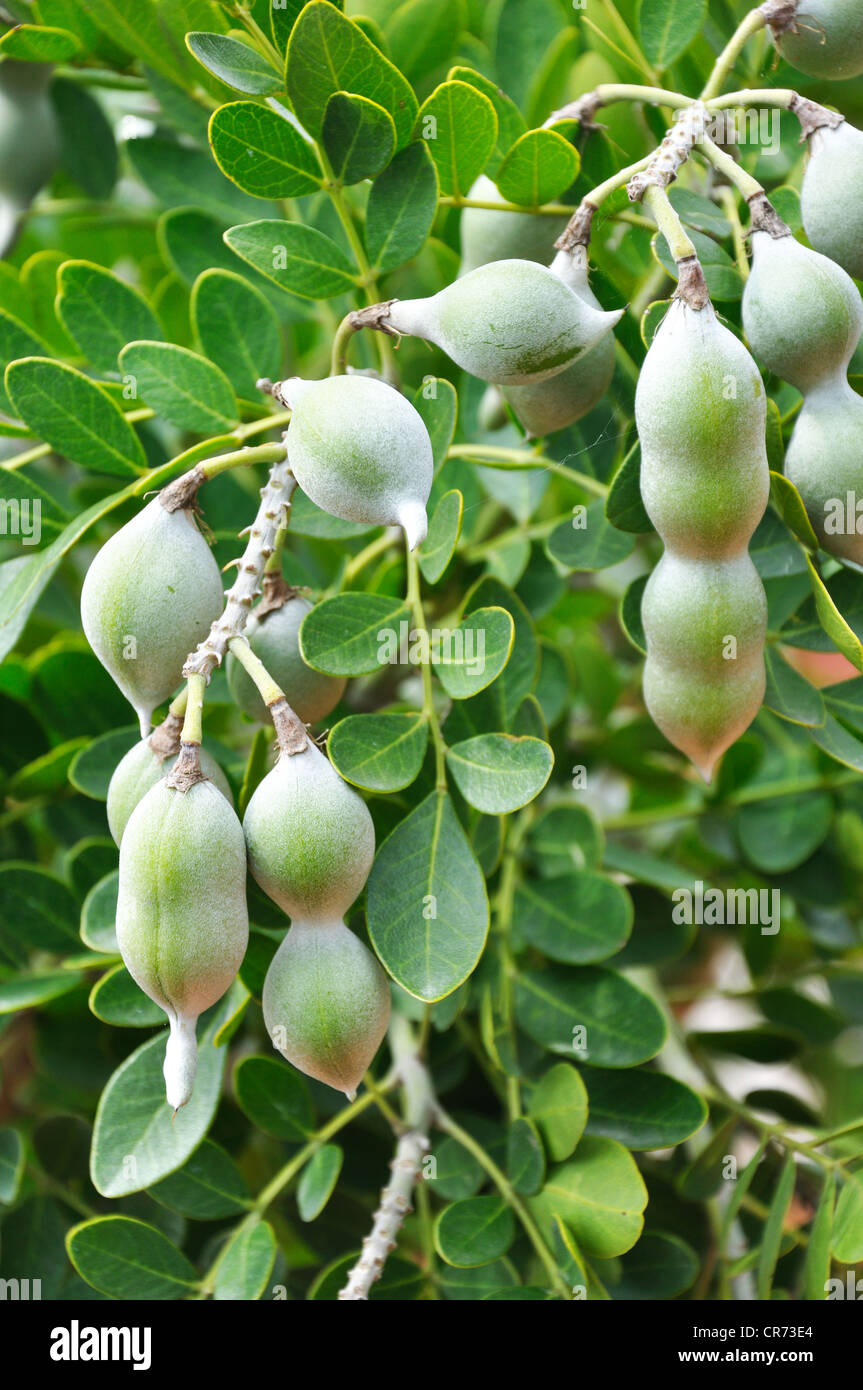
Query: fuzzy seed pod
(510,322)
(275,639)
(824,461)
(149,597)
(700,410)
(802,313)
(560,400)
(831,199)
(140,770)
(825,39)
(182,923)
(360,451)
(326,1003)
(29,141)
(310,837)
(487,235)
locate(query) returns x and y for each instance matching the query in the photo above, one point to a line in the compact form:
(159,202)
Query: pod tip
(414,521)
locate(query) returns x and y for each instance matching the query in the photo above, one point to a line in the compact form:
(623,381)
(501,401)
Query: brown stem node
(291,732)
(691,284)
(183,491)
(186,771)
(165,739)
(765,218)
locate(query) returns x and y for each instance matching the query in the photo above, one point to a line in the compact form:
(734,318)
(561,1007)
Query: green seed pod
(510,322)
(182,923)
(824,461)
(275,639)
(310,837)
(700,410)
(831,199)
(487,235)
(29,141)
(326,1003)
(360,451)
(560,400)
(825,39)
(140,770)
(802,313)
(149,597)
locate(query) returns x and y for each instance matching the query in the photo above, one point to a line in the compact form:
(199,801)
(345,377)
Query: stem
(753,96)
(723,161)
(192,724)
(497,457)
(729,203)
(510,1196)
(752,23)
(341,345)
(269,691)
(414,598)
(669,223)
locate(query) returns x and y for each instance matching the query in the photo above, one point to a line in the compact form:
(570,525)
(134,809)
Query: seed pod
(560,400)
(140,770)
(182,923)
(825,39)
(802,313)
(824,461)
(510,322)
(275,639)
(310,837)
(29,141)
(831,199)
(700,410)
(149,596)
(487,235)
(360,451)
(326,1003)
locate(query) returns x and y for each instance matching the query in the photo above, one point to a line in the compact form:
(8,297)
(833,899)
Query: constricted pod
(831,199)
(274,638)
(824,38)
(489,235)
(138,771)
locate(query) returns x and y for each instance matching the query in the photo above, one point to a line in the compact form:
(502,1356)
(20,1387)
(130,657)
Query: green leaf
(667,28)
(39,43)
(345,635)
(74,415)
(181,386)
(427,904)
(101,313)
(498,773)
(459,125)
(589,541)
(474,1231)
(510,122)
(599,1195)
(423,34)
(46,774)
(328,53)
(11,1164)
(779,833)
(246,1264)
(208,1186)
(789,695)
(837,629)
(559,1107)
(444,530)
(401,208)
(456,1172)
(437,403)
(816,1270)
(128,1259)
(134,1119)
(577,918)
(564,838)
(116,999)
(630,613)
(832,739)
(772,1235)
(88,150)
(92,769)
(98,916)
(262,153)
(359,137)
(379,752)
(15,341)
(235,63)
(37,910)
(299,259)
(525,1160)
(847,1241)
(786,500)
(401,1281)
(320,1176)
(181,176)
(192,242)
(274,1097)
(660,1267)
(593,1015)
(473,655)
(624,507)
(237,329)
(28,991)
(540,166)
(642,1109)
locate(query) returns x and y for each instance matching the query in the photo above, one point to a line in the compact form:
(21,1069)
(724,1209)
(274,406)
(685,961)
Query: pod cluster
(803,316)
(700,411)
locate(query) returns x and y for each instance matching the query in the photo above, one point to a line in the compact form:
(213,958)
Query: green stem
(192,724)
(765,791)
(413,598)
(242,458)
(754,96)
(268,689)
(370,284)
(364,557)
(525,458)
(510,1196)
(722,160)
(729,203)
(342,340)
(667,220)
(750,25)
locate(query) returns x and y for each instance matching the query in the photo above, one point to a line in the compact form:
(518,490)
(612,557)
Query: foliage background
(705,1042)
